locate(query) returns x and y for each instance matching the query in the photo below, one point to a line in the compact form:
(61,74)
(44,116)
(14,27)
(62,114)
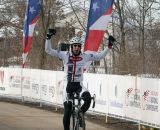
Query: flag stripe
(94,40)
(28,45)
(101,23)
(109,11)
(35,19)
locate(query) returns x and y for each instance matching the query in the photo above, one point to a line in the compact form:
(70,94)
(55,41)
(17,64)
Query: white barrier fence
(126,97)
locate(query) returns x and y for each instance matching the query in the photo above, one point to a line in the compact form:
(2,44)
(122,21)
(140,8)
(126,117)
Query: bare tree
(133,21)
(10,29)
(121,18)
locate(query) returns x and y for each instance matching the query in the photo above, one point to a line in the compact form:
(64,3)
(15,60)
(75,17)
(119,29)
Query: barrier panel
(26,83)
(132,98)
(96,84)
(150,112)
(48,86)
(127,97)
(116,95)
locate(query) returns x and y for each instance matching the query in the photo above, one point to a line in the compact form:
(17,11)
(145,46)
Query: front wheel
(73,123)
(80,123)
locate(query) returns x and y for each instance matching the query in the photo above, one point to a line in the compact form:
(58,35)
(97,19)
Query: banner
(31,17)
(99,16)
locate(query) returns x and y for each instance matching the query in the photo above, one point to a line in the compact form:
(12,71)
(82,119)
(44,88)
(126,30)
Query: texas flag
(31,17)
(99,16)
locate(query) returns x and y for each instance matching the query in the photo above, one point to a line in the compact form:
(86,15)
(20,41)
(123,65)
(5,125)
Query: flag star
(95,6)
(32,10)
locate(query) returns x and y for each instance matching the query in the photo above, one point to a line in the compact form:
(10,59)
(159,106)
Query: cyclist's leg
(67,109)
(85,93)
(87,101)
(67,114)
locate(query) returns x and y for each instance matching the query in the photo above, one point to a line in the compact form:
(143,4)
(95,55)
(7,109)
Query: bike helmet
(75,40)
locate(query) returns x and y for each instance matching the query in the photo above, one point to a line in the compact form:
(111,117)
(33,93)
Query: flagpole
(22,83)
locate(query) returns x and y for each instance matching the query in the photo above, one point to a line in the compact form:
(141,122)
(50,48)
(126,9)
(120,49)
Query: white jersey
(74,65)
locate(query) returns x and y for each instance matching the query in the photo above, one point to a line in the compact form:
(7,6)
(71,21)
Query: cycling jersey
(74,65)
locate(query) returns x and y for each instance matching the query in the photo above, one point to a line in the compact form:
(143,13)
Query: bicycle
(77,117)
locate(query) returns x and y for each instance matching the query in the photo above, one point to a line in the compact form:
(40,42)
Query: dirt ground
(113,123)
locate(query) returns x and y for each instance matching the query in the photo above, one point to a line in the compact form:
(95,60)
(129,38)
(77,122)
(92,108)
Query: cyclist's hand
(111,40)
(50,33)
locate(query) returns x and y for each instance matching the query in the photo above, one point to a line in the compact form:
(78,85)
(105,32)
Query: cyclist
(74,63)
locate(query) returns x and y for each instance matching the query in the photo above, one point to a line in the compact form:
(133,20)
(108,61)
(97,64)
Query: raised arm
(91,56)
(98,56)
(48,48)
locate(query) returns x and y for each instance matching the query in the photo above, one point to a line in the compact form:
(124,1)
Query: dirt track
(20,117)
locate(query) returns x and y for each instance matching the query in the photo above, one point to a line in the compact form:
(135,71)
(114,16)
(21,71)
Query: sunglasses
(76,45)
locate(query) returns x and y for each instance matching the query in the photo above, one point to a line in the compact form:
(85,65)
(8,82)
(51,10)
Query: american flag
(31,17)
(99,16)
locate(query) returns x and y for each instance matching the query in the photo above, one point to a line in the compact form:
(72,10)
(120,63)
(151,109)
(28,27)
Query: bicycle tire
(83,123)
(77,125)
(72,123)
